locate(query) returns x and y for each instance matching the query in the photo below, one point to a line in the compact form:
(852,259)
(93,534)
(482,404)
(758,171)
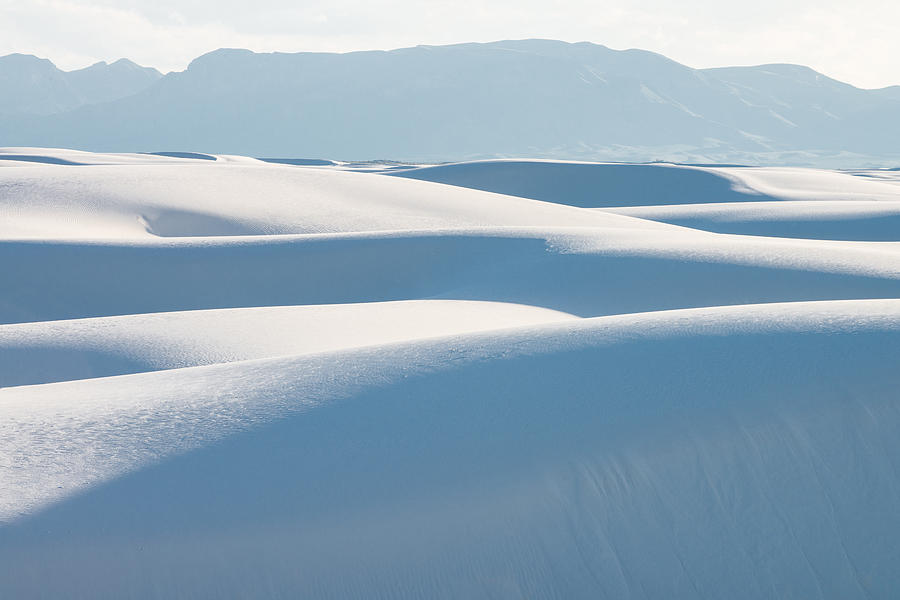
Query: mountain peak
(34,85)
(26,61)
(220,56)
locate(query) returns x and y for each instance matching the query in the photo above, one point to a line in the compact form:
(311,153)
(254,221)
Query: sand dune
(227,378)
(596,185)
(859,220)
(172,197)
(49,351)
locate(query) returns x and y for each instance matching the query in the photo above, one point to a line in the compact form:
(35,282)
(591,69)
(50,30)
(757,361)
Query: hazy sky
(855,42)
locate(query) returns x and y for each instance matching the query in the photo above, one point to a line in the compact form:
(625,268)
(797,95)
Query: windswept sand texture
(236,379)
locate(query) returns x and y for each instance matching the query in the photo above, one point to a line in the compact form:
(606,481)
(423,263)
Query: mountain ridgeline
(536,98)
(35,86)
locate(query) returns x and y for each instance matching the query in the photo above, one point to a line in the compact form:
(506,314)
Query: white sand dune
(27,157)
(226,378)
(596,185)
(860,220)
(49,351)
(583,271)
(784,202)
(194,198)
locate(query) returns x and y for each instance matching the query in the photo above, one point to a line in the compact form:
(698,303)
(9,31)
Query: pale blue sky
(858,43)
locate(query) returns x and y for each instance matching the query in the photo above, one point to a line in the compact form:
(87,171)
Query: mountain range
(535,98)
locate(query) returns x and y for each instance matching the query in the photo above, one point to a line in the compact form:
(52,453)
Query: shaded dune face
(29,158)
(859,220)
(115,279)
(775,202)
(589,185)
(233,378)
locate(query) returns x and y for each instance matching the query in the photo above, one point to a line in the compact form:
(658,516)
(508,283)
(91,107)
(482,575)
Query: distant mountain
(33,85)
(536,98)
(102,82)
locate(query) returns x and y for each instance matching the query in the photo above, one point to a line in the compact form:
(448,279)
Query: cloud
(854,43)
